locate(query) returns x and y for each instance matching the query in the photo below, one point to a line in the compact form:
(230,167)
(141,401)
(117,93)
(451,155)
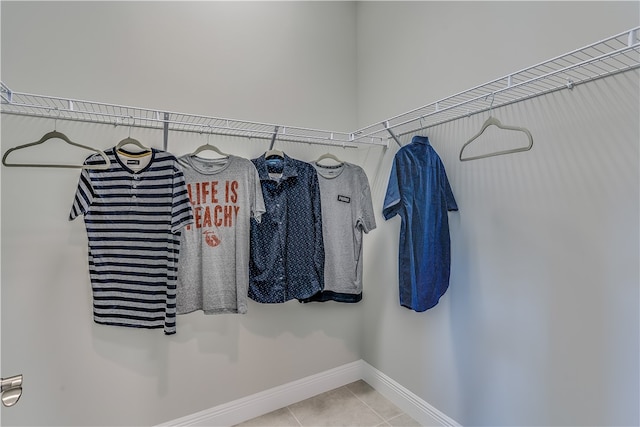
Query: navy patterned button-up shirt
(287,251)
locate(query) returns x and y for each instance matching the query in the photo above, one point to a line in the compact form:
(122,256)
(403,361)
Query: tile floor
(356,404)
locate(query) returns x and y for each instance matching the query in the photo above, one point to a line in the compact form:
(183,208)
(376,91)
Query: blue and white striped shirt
(133,221)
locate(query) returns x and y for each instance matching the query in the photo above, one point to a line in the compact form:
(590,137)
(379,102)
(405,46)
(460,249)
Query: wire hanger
(56,135)
(272,152)
(128,140)
(209,147)
(493,121)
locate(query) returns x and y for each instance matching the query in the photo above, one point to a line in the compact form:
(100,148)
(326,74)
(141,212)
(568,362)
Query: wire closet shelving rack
(610,56)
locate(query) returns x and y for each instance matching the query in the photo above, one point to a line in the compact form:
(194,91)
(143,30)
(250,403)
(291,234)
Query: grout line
(397,416)
(365,404)
(294,416)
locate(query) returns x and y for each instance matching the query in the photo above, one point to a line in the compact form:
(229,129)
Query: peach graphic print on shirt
(214,205)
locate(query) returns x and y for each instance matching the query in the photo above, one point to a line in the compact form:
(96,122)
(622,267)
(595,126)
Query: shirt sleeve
(391,205)
(451,201)
(318,255)
(366,218)
(84,195)
(181,213)
(257,200)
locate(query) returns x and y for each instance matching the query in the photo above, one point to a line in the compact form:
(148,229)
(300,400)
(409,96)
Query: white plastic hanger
(272,152)
(328,156)
(493,121)
(128,140)
(56,135)
(209,147)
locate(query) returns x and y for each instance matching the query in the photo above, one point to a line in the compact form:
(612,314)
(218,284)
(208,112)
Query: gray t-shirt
(347,212)
(213,271)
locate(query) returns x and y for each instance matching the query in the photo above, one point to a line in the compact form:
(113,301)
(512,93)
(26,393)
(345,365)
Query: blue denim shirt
(419,192)
(287,251)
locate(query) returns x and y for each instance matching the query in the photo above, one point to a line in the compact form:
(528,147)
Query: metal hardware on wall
(11,390)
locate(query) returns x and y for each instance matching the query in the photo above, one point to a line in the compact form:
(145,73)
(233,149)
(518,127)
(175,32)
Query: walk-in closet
(523,116)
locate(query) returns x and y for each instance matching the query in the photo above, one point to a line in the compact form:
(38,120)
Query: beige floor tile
(339,407)
(375,400)
(279,418)
(403,420)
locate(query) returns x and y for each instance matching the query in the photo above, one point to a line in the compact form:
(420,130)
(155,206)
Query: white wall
(540,323)
(289,63)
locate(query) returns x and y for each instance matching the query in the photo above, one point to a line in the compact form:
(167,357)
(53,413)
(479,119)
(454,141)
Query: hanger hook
(493,97)
(132,124)
(55,119)
(421,124)
(202,130)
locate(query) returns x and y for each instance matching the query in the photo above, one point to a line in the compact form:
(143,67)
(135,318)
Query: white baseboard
(266,401)
(404,399)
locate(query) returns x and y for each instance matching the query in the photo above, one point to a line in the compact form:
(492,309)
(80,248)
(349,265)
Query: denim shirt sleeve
(446,188)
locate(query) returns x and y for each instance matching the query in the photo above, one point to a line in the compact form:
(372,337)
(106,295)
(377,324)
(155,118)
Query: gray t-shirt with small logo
(347,212)
(213,269)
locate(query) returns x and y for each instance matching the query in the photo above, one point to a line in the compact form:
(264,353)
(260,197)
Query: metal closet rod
(613,55)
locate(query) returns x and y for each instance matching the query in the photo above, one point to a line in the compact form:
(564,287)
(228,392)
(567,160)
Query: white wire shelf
(613,55)
(27,104)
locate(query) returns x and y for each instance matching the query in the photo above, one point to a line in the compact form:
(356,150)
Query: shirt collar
(289,169)
(420,139)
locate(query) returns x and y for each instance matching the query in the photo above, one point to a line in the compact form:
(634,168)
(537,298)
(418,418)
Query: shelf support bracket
(165,131)
(273,138)
(6,93)
(393,135)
